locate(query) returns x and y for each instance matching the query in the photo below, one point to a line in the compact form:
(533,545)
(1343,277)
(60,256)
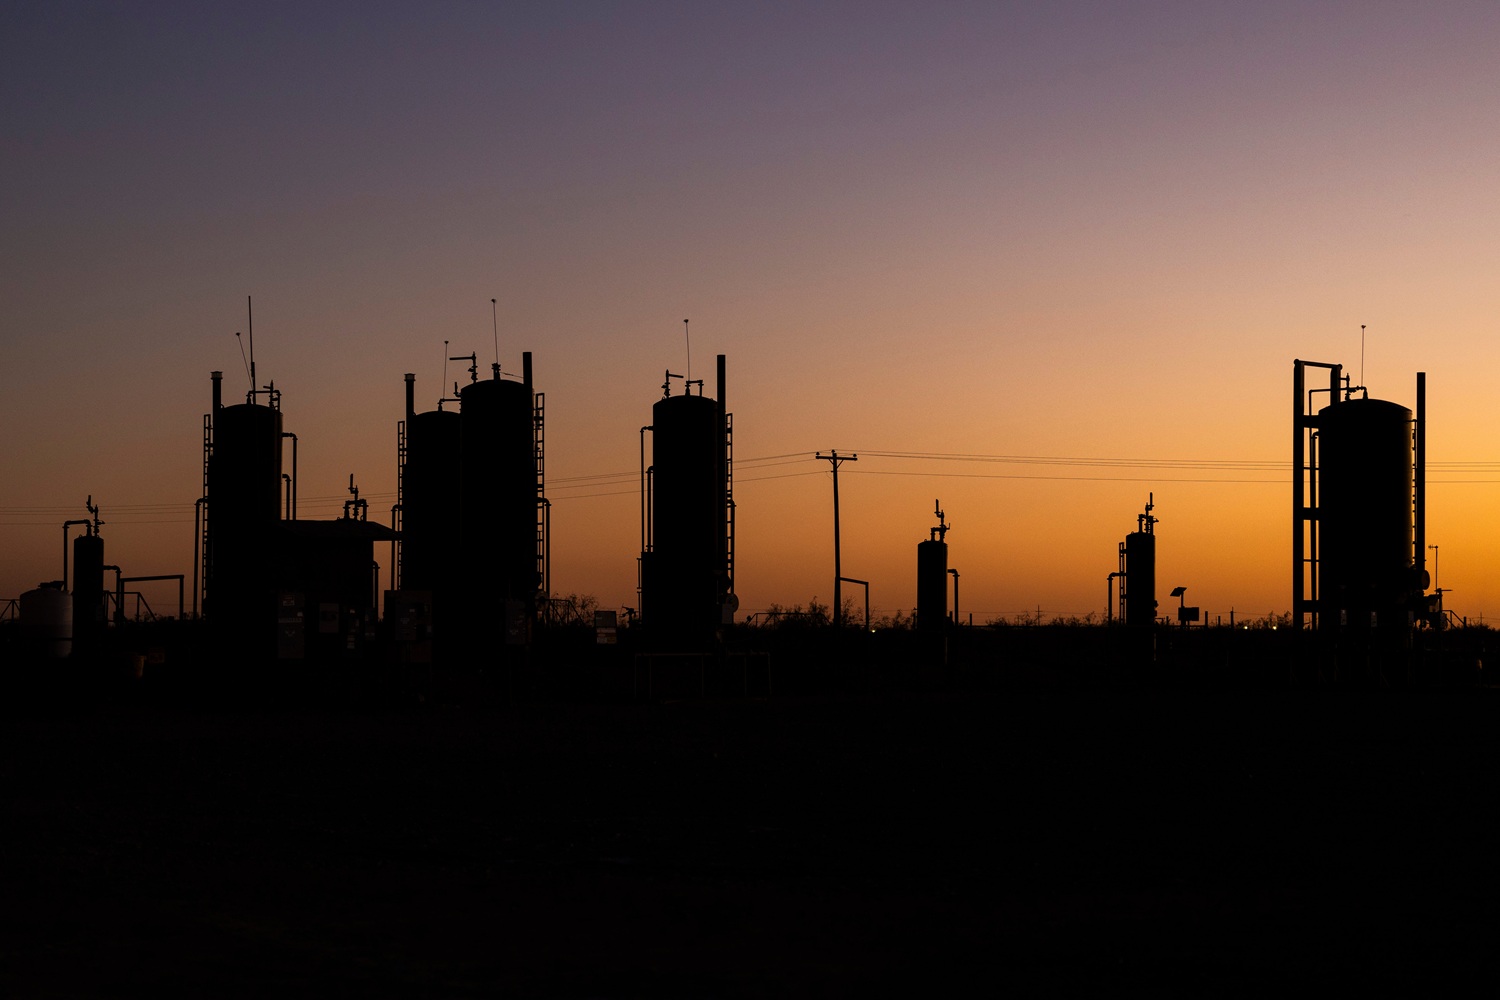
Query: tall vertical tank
(245,466)
(244,511)
(932,584)
(1138,568)
(498,491)
(430,508)
(932,575)
(88,585)
(1365,515)
(1140,581)
(688,579)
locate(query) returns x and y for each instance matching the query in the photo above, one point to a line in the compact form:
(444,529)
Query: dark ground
(834,845)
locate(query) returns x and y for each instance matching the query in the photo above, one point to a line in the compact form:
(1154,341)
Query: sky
(1039,262)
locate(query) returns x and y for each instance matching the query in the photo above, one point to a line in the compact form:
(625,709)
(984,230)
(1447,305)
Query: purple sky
(1080,232)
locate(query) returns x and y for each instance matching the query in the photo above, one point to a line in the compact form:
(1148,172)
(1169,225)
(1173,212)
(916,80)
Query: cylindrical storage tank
(88,583)
(1140,578)
(932,584)
(498,491)
(1364,464)
(431,541)
(47,622)
(244,512)
(244,470)
(690,534)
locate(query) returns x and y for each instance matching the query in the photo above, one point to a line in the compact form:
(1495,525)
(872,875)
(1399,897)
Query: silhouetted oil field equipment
(1137,572)
(932,576)
(1359,507)
(687,544)
(273,585)
(471,590)
(427,565)
(471,508)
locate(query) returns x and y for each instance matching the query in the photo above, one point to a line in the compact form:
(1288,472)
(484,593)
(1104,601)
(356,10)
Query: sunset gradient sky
(1083,242)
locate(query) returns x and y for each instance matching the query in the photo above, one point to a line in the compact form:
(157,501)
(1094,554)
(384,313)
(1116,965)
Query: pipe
(645,495)
(411,397)
(293,497)
(119,595)
(526,370)
(1421,483)
(955,595)
(197,549)
(164,576)
(66,526)
(395,540)
(1299,487)
(218,380)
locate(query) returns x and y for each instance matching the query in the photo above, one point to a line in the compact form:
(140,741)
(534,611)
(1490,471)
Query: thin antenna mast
(689,339)
(444,383)
(1362,354)
(495,322)
(250,315)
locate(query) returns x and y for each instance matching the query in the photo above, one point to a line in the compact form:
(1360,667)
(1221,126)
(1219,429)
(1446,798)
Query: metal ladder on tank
(205,551)
(729,496)
(396,511)
(539,451)
(1306,556)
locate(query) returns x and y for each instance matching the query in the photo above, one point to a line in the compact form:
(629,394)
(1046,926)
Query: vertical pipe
(725,552)
(1315,582)
(526,370)
(218,380)
(293,496)
(1299,487)
(411,397)
(395,538)
(197,555)
(1421,483)
(645,497)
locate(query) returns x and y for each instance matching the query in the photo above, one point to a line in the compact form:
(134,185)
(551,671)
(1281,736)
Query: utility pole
(835,459)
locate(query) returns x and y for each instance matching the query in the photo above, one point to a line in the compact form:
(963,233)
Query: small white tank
(46,622)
